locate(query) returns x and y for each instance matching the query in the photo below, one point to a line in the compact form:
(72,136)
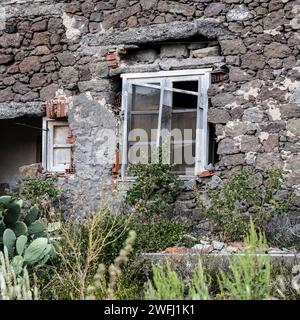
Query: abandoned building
(77,76)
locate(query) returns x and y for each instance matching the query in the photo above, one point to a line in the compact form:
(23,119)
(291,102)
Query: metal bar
(145,112)
(29,126)
(125,110)
(63,146)
(198,128)
(164,74)
(153,86)
(161,103)
(184,110)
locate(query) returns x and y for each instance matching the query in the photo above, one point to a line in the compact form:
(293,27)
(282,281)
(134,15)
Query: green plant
(24,253)
(37,188)
(106,289)
(152,236)
(14,286)
(240,198)
(156,187)
(200,285)
(80,251)
(166,285)
(250,275)
(11,218)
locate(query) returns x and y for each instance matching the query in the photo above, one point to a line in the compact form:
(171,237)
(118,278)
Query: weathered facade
(80,49)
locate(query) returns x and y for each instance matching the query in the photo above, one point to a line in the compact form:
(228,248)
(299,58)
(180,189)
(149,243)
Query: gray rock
(290,110)
(178,8)
(218,245)
(253,115)
(295,97)
(6,95)
(233,46)
(216,115)
(173,51)
(236,128)
(206,52)
(236,74)
(172,31)
(66,58)
(250,144)
(215,182)
(93,85)
(149,55)
(253,61)
(148,4)
(293,126)
(238,13)
(69,75)
(277,50)
(6,58)
(233,160)
(214,9)
(203,248)
(10,110)
(222,99)
(265,160)
(274,20)
(227,146)
(48,93)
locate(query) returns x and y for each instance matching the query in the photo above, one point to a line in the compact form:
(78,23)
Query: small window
(56,150)
(166,107)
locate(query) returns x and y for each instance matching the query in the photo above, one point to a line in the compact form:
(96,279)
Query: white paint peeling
(2,18)
(232,105)
(250,157)
(263,136)
(274,113)
(272,32)
(251,88)
(73,26)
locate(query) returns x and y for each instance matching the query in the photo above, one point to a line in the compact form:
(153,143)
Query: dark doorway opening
(20,145)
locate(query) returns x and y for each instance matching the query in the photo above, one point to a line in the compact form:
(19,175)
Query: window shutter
(58,150)
(61,150)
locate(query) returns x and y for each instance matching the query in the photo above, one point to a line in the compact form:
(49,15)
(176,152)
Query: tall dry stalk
(81,248)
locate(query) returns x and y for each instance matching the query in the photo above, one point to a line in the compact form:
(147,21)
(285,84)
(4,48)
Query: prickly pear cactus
(9,241)
(10,217)
(37,251)
(23,237)
(28,254)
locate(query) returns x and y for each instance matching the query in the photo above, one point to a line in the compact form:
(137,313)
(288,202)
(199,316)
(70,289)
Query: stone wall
(49,45)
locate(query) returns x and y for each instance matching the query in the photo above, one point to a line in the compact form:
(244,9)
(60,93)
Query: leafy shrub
(106,280)
(240,198)
(79,253)
(155,189)
(250,275)
(151,236)
(37,188)
(167,285)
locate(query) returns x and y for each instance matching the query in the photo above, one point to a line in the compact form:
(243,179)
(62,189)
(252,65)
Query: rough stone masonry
(50,45)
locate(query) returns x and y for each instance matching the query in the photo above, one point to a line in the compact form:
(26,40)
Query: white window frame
(203,76)
(48,145)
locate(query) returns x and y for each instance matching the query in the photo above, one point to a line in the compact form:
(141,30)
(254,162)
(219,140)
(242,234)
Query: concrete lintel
(11,110)
(207,27)
(31,8)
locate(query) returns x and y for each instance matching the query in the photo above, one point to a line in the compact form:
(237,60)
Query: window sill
(133,179)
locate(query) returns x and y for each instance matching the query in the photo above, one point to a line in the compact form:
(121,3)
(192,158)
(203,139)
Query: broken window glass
(167,110)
